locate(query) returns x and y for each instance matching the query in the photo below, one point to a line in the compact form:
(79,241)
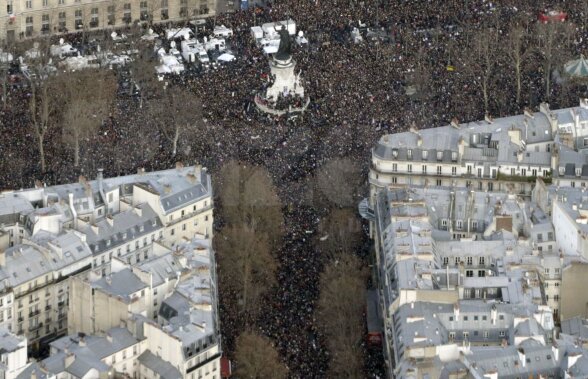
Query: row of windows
(476,317)
(425,154)
(94,20)
(466,335)
(469,261)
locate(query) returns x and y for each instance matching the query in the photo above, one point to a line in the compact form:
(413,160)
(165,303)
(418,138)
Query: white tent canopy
(577,68)
(226,57)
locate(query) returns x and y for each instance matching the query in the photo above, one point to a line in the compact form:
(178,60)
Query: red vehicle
(374,320)
(552,16)
(226,367)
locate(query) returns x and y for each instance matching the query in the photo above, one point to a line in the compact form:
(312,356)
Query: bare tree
(249,197)
(483,46)
(339,314)
(40,106)
(176,114)
(88,96)
(245,264)
(339,180)
(553,40)
(257,358)
(518,50)
(339,232)
(143,71)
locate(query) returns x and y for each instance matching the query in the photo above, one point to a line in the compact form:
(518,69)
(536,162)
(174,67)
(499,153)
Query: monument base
(268,107)
(286,83)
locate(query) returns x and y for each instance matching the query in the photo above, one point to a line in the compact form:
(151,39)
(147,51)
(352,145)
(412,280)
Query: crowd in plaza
(357,93)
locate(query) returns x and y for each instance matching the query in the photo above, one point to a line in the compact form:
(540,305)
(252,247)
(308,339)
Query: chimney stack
(100,178)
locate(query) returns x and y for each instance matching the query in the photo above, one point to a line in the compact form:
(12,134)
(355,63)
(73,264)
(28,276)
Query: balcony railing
(523,179)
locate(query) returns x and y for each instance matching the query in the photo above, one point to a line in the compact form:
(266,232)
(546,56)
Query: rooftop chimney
(528,112)
(99,178)
(455,123)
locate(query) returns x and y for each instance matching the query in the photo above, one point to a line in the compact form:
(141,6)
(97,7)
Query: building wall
(15,361)
(566,231)
(34,18)
(170,349)
(574,297)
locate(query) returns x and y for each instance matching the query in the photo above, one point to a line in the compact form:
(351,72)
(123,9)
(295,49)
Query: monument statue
(285,94)
(284,49)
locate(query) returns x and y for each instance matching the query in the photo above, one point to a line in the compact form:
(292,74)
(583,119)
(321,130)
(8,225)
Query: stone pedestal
(286,82)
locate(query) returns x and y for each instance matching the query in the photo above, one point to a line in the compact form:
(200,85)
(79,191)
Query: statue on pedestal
(285,48)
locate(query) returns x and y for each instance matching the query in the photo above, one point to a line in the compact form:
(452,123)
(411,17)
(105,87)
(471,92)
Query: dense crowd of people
(357,92)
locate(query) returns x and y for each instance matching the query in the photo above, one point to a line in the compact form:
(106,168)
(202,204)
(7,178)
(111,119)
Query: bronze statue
(284,49)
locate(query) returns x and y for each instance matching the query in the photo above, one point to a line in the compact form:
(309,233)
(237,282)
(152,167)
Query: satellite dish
(186,37)
(300,33)
(150,31)
(173,44)
(61,41)
(113,35)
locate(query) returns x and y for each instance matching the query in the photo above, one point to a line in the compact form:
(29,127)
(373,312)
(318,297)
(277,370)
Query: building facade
(505,154)
(79,232)
(20,19)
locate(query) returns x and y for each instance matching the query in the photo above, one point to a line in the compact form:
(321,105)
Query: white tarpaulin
(226,57)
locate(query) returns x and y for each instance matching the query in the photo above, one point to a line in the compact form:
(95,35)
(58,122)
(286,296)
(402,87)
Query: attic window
(439,155)
(395,153)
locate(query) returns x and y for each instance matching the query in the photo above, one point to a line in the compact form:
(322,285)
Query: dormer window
(395,153)
(409,153)
(454,156)
(578,172)
(562,170)
(439,155)
(425,154)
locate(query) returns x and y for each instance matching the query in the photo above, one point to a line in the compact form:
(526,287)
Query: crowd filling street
(357,91)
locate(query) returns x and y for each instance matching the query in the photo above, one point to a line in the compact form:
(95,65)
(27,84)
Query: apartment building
(20,19)
(13,354)
(504,154)
(35,273)
(484,304)
(83,230)
(166,321)
(98,304)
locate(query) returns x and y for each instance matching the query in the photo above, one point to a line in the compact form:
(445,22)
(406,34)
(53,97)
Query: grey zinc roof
(164,369)
(87,355)
(34,369)
(123,284)
(9,342)
(25,262)
(161,268)
(126,226)
(507,363)
(575,327)
(12,203)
